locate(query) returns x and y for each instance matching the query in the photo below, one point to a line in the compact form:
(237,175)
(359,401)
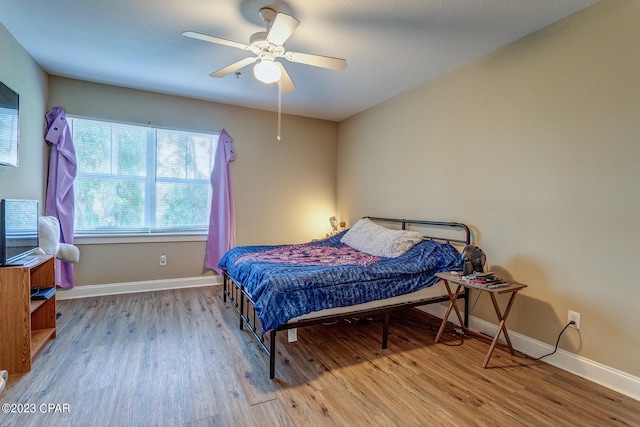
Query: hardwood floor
(177,358)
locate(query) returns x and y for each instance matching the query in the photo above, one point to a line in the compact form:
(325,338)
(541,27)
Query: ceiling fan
(267,46)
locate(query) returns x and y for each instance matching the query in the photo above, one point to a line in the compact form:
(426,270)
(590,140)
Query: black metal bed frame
(236,294)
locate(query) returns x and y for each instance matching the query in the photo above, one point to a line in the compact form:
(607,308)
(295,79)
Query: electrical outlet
(163,259)
(575,317)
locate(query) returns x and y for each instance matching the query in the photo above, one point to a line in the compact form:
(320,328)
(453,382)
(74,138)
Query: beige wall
(284,190)
(536,147)
(20,72)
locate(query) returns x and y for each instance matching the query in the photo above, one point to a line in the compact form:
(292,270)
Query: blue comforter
(282,290)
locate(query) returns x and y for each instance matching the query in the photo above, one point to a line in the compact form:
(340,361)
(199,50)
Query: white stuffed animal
(50,241)
(3,380)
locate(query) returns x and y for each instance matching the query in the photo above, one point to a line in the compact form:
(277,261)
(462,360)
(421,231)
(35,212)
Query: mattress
(426,294)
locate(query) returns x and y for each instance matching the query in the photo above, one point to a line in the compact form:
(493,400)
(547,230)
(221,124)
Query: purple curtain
(222,221)
(62,172)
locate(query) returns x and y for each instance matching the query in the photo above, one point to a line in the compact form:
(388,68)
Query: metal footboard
(236,294)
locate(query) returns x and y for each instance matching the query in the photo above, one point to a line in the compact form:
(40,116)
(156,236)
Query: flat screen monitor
(19,234)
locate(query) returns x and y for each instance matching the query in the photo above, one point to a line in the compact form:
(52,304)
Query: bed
(283,287)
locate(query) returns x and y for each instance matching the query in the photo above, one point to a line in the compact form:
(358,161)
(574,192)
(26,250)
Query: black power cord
(557,341)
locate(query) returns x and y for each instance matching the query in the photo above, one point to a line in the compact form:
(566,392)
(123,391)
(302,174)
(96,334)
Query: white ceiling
(390,46)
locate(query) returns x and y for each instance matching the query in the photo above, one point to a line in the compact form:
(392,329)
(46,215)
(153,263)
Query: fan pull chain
(279,109)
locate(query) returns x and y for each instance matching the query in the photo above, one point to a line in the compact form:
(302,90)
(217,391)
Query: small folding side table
(463,282)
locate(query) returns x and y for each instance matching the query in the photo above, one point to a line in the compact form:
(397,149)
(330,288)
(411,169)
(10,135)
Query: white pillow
(373,239)
(49,230)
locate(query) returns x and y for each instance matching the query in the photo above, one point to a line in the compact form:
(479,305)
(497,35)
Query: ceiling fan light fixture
(267,71)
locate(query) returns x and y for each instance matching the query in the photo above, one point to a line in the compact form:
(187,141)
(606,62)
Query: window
(140,179)
(9,126)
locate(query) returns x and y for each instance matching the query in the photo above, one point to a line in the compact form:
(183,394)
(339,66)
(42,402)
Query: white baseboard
(598,373)
(132,287)
(606,376)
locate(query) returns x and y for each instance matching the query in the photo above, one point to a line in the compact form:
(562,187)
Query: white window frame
(116,237)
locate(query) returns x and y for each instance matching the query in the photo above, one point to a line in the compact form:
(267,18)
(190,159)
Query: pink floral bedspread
(309,254)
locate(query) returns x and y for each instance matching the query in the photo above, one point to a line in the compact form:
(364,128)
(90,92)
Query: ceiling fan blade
(218,40)
(233,67)
(283,26)
(285,82)
(317,60)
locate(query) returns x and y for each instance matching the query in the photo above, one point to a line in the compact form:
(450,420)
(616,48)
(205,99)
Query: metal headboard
(455,225)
